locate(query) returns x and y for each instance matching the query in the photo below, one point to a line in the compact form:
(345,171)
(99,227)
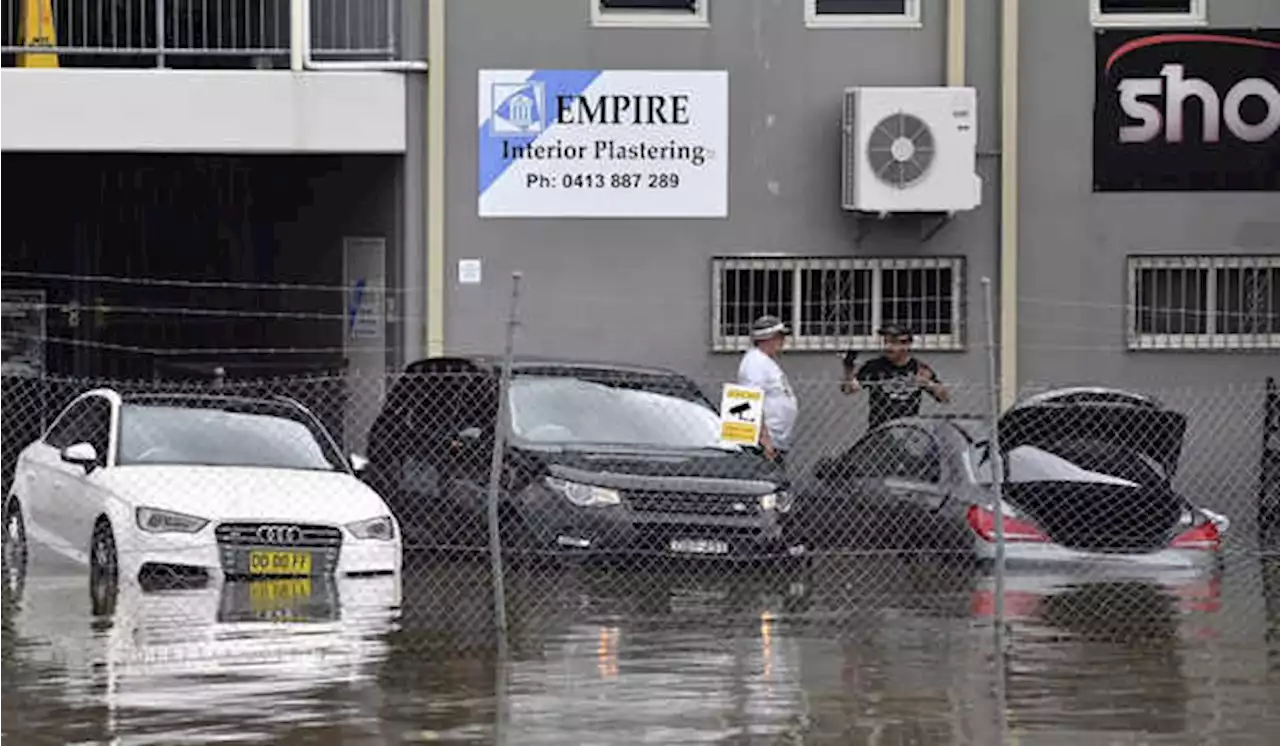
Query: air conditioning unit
(910,150)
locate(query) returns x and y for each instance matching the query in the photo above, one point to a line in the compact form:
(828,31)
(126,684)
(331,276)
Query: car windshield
(569,411)
(240,435)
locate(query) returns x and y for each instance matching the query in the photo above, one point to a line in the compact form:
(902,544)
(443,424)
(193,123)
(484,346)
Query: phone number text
(603,181)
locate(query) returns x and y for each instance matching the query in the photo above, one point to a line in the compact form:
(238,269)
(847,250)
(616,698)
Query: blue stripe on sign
(558,83)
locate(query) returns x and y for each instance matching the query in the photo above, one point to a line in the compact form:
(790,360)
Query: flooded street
(850,650)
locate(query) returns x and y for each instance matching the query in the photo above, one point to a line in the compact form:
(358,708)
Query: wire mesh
(623,464)
(1132,519)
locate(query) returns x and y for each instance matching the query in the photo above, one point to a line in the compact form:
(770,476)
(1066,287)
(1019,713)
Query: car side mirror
(359,463)
(83,455)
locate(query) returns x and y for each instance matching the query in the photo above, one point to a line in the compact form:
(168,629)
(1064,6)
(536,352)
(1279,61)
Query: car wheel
(15,545)
(15,531)
(104,569)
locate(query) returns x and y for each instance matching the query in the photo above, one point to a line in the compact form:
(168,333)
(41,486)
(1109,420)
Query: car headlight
(382,528)
(779,501)
(158,521)
(584,495)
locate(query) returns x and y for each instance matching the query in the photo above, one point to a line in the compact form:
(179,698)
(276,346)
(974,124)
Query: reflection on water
(851,650)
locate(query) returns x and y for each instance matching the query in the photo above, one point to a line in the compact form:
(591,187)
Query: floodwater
(850,651)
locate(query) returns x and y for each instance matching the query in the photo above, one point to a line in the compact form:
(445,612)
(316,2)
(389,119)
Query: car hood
(692,471)
(1156,433)
(231,493)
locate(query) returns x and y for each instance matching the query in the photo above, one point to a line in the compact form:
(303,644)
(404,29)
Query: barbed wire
(209,311)
(704,303)
(795,354)
(184,351)
(204,284)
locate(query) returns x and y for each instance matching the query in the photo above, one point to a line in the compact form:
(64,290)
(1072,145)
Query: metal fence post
(495,535)
(997,489)
(495,472)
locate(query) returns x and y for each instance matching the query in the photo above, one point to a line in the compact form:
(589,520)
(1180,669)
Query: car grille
(246,534)
(237,540)
(693,503)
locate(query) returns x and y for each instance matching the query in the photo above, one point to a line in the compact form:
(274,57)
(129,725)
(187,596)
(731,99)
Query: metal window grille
(860,7)
(1204,302)
(1145,6)
(838,303)
(688,6)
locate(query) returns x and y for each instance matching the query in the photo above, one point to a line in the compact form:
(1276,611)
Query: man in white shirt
(759,368)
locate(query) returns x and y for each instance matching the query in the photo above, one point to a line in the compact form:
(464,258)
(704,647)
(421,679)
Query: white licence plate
(699,546)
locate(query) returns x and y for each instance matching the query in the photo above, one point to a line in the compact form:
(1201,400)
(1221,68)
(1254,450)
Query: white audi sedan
(197,486)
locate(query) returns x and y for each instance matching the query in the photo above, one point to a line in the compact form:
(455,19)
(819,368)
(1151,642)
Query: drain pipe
(435,269)
(955,43)
(1008,202)
(300,48)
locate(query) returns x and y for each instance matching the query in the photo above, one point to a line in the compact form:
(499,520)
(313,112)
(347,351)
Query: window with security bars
(1204,302)
(658,13)
(836,303)
(1146,12)
(1145,6)
(864,13)
(860,7)
(687,6)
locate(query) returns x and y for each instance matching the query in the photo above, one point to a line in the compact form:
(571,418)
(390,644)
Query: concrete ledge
(224,111)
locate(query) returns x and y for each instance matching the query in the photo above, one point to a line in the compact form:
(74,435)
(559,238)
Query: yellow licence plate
(268,595)
(279,563)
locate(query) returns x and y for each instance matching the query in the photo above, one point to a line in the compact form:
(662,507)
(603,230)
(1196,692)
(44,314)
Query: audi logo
(279,534)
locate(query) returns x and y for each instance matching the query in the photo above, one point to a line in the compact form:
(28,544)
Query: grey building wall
(1074,244)
(639,289)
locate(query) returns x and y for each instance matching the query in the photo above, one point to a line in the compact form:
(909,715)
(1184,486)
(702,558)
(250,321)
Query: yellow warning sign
(741,410)
(38,30)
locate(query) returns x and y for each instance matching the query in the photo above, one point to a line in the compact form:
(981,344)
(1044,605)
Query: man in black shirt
(896,380)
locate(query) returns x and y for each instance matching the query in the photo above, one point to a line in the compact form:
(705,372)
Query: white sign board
(604,143)
(741,410)
(469,271)
(364,267)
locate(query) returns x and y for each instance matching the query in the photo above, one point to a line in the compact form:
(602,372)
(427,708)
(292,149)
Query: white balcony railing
(241,34)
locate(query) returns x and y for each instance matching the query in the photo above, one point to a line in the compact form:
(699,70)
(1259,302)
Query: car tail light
(1204,536)
(983,523)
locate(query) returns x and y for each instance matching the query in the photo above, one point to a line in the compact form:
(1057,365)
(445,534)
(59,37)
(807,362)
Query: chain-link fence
(1122,516)
(628,466)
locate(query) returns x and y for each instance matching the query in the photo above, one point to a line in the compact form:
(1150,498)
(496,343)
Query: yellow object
(279,563)
(270,595)
(741,409)
(38,30)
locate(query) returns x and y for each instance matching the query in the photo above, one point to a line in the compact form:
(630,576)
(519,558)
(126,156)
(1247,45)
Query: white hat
(767,326)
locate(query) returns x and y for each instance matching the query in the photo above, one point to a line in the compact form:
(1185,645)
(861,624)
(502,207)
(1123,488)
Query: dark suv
(601,459)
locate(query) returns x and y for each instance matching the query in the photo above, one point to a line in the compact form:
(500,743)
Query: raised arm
(931,383)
